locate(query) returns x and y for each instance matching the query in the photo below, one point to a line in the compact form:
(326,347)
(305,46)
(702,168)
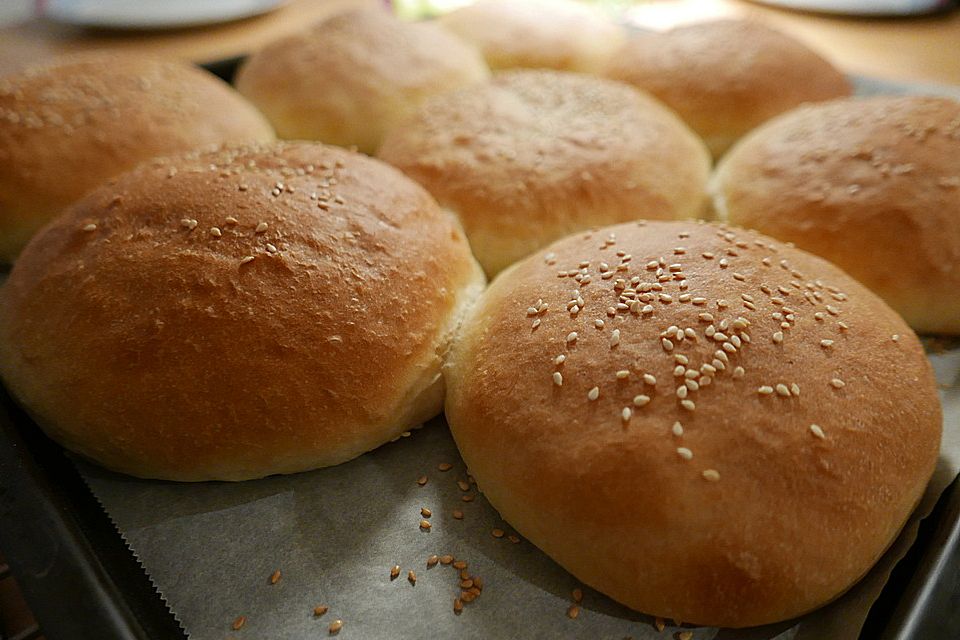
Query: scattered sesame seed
(463,485)
(685,453)
(432,561)
(231,220)
(765,390)
(659,624)
(261,227)
(577,595)
(457,514)
(649,379)
(422,480)
(689,405)
(593,394)
(457,606)
(558,378)
(711,474)
(320,609)
(238,623)
(394,572)
(817,431)
(497,533)
(425,525)
(795,389)
(425,512)
(513,538)
(573,612)
(559,359)
(826,344)
(572,337)
(641,400)
(535,323)
(446,559)
(679,370)
(623,374)
(412,576)
(677,429)
(647,310)
(682,391)
(247,260)
(783,390)
(666,344)
(335,627)
(444,466)
(626,414)
(90,227)
(838,383)
(598,323)
(685,635)
(895,337)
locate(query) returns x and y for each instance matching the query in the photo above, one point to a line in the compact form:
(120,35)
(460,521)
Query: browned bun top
(531,156)
(232,314)
(872,184)
(551,34)
(68,125)
(348,79)
(696,420)
(726,77)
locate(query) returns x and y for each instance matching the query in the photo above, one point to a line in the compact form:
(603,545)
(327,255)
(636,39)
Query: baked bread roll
(531,156)
(872,184)
(68,125)
(552,34)
(702,423)
(726,77)
(348,79)
(229,315)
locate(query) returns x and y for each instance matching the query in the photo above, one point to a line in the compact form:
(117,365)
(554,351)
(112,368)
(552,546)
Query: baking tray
(83,581)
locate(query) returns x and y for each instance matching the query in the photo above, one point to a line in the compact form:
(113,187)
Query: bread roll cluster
(701,421)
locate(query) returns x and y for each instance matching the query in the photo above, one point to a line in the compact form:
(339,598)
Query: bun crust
(726,77)
(350,78)
(69,125)
(872,184)
(139,332)
(566,36)
(766,519)
(531,156)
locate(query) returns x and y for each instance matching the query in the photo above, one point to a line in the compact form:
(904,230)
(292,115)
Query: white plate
(153,14)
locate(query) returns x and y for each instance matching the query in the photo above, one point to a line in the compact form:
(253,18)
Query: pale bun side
(71,123)
(348,79)
(721,504)
(726,77)
(233,314)
(533,155)
(550,34)
(872,184)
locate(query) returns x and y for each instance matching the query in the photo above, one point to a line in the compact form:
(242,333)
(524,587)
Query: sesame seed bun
(531,156)
(551,34)
(764,489)
(726,77)
(872,184)
(70,124)
(229,315)
(348,79)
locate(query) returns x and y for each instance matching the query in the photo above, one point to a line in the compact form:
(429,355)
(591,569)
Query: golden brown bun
(726,77)
(552,34)
(534,155)
(872,184)
(139,333)
(70,124)
(350,78)
(792,519)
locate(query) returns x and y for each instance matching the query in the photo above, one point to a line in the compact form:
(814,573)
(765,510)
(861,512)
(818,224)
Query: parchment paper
(334,534)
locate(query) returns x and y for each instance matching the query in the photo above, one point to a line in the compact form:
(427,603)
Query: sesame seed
(231,220)
(660,624)
(535,323)
(843,325)
(626,414)
(425,512)
(682,359)
(647,310)
(795,389)
(271,248)
(817,431)
(895,337)
(649,379)
(623,374)
(572,337)
(679,370)
(558,378)
(320,609)
(728,347)
(412,576)
(699,301)
(682,391)
(247,260)
(90,227)
(422,480)
(457,514)
(705,317)
(684,453)
(837,383)
(738,372)
(425,525)
(463,485)
(432,561)
(238,623)
(573,612)
(778,337)
(215,232)
(689,405)
(444,466)
(826,344)
(497,533)
(677,429)
(560,359)
(685,635)
(666,344)
(783,390)
(598,323)
(335,627)
(765,390)
(711,475)
(641,400)
(593,394)
(394,571)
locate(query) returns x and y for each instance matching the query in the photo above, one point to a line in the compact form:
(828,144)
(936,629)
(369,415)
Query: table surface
(915,49)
